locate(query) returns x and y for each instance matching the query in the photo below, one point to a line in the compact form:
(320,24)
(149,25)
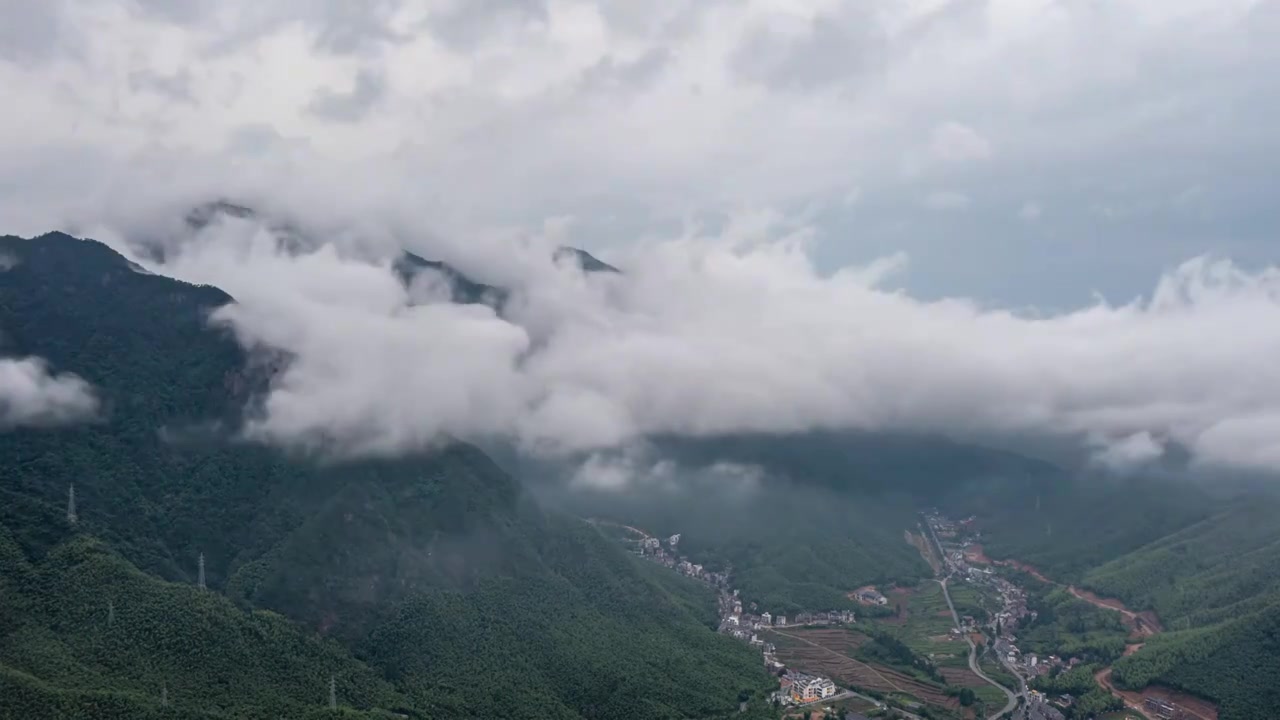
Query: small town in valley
(957,544)
(953,548)
(749,624)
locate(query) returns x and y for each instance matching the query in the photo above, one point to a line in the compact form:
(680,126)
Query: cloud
(32,396)
(1128,452)
(703,145)
(352,105)
(1030,211)
(731,331)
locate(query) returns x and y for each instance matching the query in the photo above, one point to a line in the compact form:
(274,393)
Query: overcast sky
(881,214)
(1022,152)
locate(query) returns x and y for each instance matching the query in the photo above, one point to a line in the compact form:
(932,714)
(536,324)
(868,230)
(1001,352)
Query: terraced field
(824,651)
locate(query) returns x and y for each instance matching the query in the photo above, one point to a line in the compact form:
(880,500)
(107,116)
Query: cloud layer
(32,396)
(759,169)
(709,333)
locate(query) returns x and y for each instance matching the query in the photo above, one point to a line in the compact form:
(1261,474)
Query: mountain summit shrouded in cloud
(736,332)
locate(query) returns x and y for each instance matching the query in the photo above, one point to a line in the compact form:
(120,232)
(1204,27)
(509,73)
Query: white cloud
(734,332)
(462,123)
(1030,211)
(32,396)
(1128,452)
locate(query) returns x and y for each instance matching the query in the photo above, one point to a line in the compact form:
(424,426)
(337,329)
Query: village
(955,543)
(748,624)
(958,543)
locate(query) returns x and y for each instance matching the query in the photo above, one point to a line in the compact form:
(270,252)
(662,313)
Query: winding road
(973,658)
(973,649)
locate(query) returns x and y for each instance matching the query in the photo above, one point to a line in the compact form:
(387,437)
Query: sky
(1012,216)
(1019,151)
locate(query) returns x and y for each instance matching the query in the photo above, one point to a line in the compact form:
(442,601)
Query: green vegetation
(791,548)
(1228,664)
(1070,627)
(885,649)
(429,586)
(1066,528)
(928,626)
(1091,699)
(1208,566)
(1214,570)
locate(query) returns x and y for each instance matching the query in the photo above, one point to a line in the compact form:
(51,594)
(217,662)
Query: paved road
(973,649)
(973,658)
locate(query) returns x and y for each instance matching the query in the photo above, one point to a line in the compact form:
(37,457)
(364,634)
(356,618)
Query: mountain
(411,269)
(425,586)
(583,259)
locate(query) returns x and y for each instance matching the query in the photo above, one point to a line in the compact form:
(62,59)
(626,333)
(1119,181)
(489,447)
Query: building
(766,619)
(781,621)
(873,597)
(809,689)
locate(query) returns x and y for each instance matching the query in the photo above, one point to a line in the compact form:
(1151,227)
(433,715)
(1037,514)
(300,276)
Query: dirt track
(1195,706)
(1143,624)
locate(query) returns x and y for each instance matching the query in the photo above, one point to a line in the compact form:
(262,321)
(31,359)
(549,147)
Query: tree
(966,696)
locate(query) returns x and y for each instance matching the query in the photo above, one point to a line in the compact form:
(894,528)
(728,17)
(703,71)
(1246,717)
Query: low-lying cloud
(735,331)
(30,395)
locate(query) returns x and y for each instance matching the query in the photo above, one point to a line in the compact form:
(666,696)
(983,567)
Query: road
(973,658)
(973,649)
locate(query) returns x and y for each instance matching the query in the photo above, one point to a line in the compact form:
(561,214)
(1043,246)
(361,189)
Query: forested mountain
(1207,563)
(428,586)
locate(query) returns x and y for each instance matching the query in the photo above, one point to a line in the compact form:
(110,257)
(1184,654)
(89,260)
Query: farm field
(824,651)
(925,626)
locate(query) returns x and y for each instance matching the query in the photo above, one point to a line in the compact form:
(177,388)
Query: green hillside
(791,548)
(429,586)
(1202,573)
(1233,664)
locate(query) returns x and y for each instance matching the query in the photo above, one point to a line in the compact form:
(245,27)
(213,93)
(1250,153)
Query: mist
(33,396)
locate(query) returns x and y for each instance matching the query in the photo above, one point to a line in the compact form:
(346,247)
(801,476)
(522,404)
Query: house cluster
(1039,707)
(1013,612)
(664,553)
(799,688)
(747,623)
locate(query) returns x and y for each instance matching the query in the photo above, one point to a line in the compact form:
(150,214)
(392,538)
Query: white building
(812,689)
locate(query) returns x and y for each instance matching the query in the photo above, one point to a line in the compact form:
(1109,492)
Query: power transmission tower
(164,695)
(333,693)
(111,612)
(71,504)
(200,577)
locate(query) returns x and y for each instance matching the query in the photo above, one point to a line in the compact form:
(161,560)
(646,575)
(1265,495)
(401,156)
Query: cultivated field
(824,651)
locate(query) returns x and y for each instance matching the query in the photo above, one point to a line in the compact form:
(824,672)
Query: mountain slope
(459,596)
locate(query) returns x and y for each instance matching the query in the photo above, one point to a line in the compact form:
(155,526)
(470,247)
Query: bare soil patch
(963,677)
(1028,569)
(1196,707)
(925,548)
(1142,624)
(974,555)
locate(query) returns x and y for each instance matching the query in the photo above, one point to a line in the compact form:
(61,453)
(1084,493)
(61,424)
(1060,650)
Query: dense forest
(791,547)
(426,586)
(1089,699)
